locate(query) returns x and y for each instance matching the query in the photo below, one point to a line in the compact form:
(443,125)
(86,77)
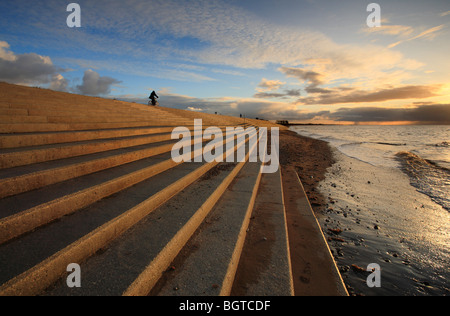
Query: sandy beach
(373,215)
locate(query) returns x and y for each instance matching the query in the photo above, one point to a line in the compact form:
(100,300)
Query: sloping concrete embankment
(91,181)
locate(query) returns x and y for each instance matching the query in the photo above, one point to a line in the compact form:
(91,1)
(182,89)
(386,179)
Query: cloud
(438,114)
(237,38)
(59,83)
(267,90)
(312,90)
(204,32)
(171,71)
(190,108)
(218,33)
(445,13)
(313,77)
(285,95)
(426,114)
(29,69)
(233,106)
(268,95)
(93,84)
(228,72)
(396,30)
(5,53)
(269,85)
(339,96)
(34,69)
(348,94)
(428,34)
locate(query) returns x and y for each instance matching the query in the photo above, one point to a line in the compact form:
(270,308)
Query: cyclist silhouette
(153,96)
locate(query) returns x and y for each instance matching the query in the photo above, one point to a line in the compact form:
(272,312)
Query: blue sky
(305,60)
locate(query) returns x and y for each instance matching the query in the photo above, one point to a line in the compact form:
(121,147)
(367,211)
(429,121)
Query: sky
(309,61)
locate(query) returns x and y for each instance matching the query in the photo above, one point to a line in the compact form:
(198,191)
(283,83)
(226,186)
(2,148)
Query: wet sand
(373,215)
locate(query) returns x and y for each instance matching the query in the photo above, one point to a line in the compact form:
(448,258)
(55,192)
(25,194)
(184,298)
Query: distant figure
(153,97)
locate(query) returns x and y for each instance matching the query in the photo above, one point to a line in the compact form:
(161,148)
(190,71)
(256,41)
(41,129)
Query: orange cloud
(339,96)
(425,114)
(397,30)
(430,34)
(269,85)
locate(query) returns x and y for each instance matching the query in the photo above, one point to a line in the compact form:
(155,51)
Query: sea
(389,194)
(420,151)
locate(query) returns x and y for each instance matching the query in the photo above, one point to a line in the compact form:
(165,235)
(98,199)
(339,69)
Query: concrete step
(65,106)
(21,179)
(22,119)
(46,138)
(37,139)
(153,272)
(160,236)
(34,261)
(9,128)
(81,116)
(313,267)
(27,211)
(30,177)
(100,223)
(265,265)
(112,272)
(29,155)
(84,111)
(9,112)
(208,263)
(24,212)
(92,119)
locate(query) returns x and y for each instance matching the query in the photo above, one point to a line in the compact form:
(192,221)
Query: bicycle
(153,103)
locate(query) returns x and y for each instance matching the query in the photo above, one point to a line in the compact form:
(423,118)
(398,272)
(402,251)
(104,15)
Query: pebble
(336,231)
(357,268)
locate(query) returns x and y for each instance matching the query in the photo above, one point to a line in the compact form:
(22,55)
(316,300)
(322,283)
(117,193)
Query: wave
(377,143)
(427,177)
(352,144)
(442,144)
(420,163)
(389,144)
